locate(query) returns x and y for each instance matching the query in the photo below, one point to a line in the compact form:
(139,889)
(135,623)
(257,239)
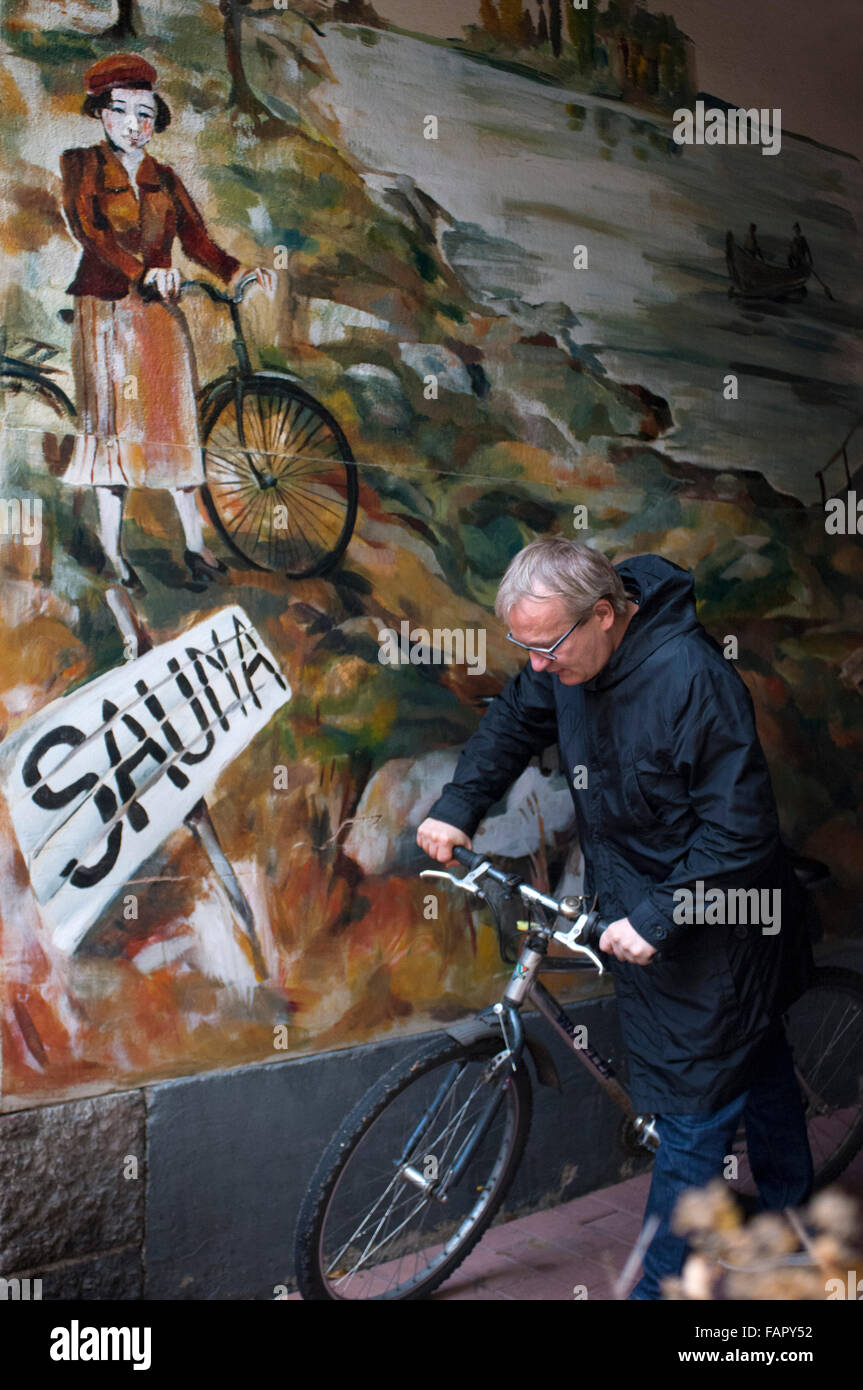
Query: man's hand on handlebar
(621,940)
(439,839)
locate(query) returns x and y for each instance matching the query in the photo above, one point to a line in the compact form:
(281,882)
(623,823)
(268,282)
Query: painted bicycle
(281,480)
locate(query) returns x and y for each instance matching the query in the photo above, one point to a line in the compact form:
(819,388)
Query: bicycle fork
(514,1045)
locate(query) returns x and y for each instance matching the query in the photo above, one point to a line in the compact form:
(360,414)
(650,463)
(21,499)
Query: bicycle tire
(13,382)
(832,1093)
(501,1151)
(291,441)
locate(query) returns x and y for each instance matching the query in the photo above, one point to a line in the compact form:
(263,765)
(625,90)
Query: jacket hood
(665,595)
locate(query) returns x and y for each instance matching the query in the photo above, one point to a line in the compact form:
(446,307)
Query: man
(799,253)
(751,243)
(676,792)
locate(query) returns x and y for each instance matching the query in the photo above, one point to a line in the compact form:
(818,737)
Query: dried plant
(774,1255)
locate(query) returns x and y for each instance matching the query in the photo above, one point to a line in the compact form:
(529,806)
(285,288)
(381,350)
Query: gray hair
(558,568)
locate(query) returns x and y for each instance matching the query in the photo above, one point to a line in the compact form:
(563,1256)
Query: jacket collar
(148,170)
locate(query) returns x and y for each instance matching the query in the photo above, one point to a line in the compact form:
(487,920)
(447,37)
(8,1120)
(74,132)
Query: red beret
(118,70)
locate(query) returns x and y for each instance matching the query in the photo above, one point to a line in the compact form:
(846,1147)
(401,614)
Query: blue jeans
(693,1149)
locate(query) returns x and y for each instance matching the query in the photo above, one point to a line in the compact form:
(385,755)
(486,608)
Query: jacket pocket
(637,804)
(700,999)
(656,798)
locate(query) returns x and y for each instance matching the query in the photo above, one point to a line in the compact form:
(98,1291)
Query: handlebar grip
(467,857)
(594,932)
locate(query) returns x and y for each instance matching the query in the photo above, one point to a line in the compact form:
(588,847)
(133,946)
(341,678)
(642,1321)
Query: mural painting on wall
(309,324)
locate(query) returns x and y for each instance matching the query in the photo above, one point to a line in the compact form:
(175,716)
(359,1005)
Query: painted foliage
(310,324)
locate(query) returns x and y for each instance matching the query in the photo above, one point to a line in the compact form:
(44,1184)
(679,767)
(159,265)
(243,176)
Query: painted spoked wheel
(398,1198)
(38,393)
(281,478)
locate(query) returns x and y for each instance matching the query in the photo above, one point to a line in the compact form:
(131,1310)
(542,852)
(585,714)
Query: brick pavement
(583,1242)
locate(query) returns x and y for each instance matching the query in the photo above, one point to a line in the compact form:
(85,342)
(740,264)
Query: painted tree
(542,25)
(124,25)
(241,96)
(555,23)
(528,32)
(582,35)
(510,21)
(489,18)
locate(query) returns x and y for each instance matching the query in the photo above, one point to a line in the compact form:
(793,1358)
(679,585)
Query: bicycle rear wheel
(30,409)
(378,1221)
(825,1031)
(281,478)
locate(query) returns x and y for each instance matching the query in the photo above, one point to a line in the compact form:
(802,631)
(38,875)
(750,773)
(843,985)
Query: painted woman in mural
(134,368)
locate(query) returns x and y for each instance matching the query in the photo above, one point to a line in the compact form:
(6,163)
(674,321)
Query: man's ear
(605,610)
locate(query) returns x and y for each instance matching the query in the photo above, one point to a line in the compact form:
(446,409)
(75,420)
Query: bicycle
(419,1168)
(29,375)
(281,481)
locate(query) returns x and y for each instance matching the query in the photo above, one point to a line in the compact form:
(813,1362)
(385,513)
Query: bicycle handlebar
(218,296)
(469,859)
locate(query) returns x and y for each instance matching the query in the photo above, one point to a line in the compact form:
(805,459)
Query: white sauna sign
(99,778)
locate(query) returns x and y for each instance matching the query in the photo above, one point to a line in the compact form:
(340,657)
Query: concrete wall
(223,1161)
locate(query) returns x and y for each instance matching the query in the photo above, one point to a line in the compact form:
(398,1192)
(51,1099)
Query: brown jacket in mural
(123,236)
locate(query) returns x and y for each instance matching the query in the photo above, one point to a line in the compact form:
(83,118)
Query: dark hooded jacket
(677,792)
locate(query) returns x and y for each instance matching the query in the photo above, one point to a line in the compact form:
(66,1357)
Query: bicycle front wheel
(281,478)
(383,1218)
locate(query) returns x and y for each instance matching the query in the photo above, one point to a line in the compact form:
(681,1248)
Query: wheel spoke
(291,455)
(383,1234)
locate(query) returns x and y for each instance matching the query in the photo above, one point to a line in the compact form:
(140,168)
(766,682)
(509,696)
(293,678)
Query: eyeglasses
(549,651)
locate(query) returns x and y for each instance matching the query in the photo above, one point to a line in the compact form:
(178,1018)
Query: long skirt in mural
(135,383)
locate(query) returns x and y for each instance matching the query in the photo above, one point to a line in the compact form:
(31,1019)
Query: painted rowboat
(752,278)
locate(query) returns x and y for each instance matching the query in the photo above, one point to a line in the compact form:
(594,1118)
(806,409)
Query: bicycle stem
(239,344)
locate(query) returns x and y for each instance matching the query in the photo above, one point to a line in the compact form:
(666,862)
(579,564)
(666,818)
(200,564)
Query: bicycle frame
(523,987)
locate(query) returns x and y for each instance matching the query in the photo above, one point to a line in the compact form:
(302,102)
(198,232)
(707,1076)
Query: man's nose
(538,662)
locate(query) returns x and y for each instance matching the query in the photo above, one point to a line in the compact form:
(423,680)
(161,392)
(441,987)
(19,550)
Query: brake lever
(468,883)
(570,939)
